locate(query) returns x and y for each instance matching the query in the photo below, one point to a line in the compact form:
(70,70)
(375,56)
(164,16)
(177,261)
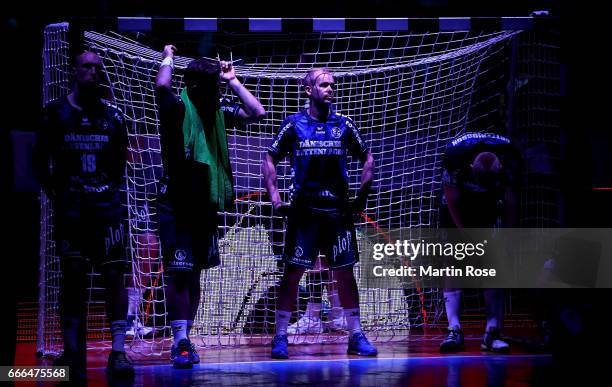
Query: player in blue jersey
(480,184)
(81,155)
(198,181)
(320,215)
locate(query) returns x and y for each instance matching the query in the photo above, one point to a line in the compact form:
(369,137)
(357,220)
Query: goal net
(409,93)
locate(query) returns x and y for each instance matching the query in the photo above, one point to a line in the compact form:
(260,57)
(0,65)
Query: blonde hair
(311,76)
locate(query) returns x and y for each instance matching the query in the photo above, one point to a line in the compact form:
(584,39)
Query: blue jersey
(82,152)
(318,152)
(479,202)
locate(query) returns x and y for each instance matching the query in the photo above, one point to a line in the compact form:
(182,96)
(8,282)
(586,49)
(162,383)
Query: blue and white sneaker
(279,347)
(180,354)
(359,345)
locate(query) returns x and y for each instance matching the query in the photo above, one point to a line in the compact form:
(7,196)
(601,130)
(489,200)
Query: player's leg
(349,298)
(300,254)
(454,340)
(205,247)
(311,322)
(179,309)
(343,254)
(179,267)
(73,311)
(147,251)
(336,320)
(287,294)
(72,292)
(494,300)
(109,250)
(116,310)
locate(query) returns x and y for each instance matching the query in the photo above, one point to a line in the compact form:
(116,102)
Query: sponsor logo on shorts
(114,237)
(343,244)
(298,261)
(180,255)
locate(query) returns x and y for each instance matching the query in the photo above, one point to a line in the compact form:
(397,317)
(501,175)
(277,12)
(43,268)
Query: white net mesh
(55,84)
(408,93)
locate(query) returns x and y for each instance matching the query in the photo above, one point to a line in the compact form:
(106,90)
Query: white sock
(452,301)
(118,328)
(494,303)
(501,309)
(353,321)
(189,327)
(313,310)
(336,306)
(134,299)
(281,318)
(179,330)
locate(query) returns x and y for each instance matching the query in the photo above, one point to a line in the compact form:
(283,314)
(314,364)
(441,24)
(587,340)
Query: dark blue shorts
(188,241)
(95,230)
(328,231)
(188,227)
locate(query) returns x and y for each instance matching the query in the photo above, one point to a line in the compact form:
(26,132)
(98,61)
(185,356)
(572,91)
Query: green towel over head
(209,146)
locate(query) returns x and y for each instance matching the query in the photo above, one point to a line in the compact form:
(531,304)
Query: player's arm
(269,173)
(280,147)
(163,81)
(367,178)
(451,193)
(358,148)
(43,154)
(251,109)
(125,152)
(511,208)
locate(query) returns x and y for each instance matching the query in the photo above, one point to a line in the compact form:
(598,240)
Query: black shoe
(119,365)
(77,367)
(492,342)
(454,341)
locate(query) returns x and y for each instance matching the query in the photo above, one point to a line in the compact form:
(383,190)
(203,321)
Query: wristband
(168,61)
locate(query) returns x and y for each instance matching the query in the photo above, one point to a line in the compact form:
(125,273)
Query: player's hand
(169,51)
(281,208)
(227,73)
(51,194)
(358,205)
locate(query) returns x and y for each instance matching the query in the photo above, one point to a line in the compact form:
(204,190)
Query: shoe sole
(352,352)
(452,350)
(484,348)
(120,374)
(183,366)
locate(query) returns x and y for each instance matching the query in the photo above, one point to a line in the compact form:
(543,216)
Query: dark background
(587,153)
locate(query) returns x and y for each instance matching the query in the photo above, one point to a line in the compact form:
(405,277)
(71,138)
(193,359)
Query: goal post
(408,91)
